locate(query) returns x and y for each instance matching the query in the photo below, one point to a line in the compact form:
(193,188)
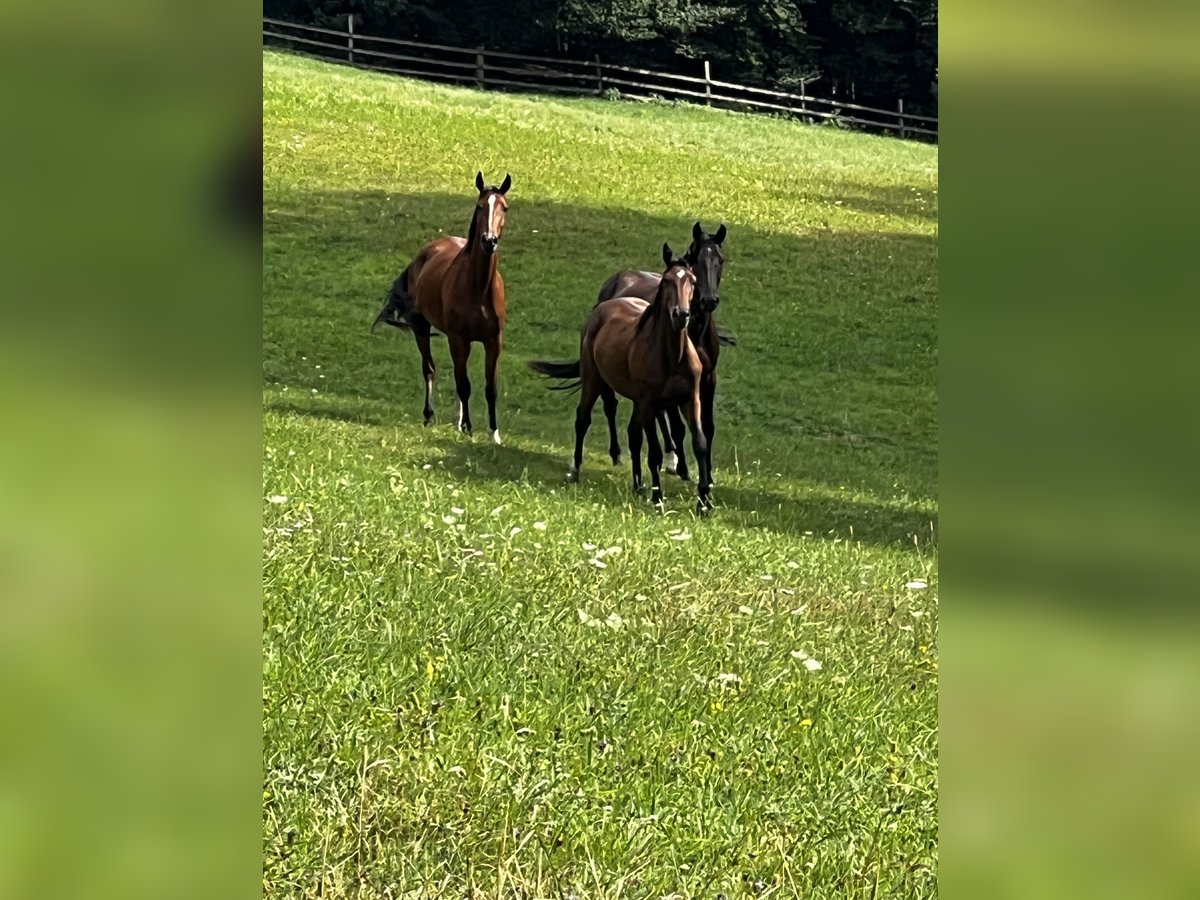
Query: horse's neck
(478,269)
(700,323)
(671,343)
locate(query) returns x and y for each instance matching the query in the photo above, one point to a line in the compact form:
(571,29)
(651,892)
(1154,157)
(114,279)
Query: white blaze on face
(491,222)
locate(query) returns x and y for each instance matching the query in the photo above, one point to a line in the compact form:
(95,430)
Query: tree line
(871,52)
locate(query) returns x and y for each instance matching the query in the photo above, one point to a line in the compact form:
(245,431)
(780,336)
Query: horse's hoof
(702,509)
(572,475)
(672,462)
(683,475)
(496,437)
(616,458)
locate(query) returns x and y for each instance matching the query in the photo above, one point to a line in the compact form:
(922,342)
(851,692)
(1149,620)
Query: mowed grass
(479,680)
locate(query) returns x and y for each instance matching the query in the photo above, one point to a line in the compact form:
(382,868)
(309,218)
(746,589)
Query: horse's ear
(697,233)
(719,237)
(506,184)
(479,182)
(667,254)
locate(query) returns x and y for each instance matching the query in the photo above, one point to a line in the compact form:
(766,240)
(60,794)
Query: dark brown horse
(708,262)
(641,350)
(454,285)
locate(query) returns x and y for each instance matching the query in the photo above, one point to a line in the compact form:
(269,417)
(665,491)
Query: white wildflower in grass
(681,536)
(917,584)
(729,678)
(793,565)
(745,610)
(599,564)
(278,498)
(583,615)
(766,577)
(496,511)
(540,526)
(514,531)
(615,622)
(457,510)
(449,519)
(807,661)
(427,466)
(314,390)
(291,453)
(587,546)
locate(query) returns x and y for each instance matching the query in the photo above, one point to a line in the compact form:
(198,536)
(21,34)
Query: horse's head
(706,258)
(490,210)
(676,289)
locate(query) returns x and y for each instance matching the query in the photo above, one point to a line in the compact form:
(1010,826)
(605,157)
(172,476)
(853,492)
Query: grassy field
(479,680)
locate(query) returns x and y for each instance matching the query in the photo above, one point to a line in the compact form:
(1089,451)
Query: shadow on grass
(602,482)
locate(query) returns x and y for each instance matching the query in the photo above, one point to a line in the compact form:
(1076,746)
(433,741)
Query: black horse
(708,262)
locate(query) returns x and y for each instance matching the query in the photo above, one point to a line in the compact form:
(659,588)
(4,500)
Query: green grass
(462,691)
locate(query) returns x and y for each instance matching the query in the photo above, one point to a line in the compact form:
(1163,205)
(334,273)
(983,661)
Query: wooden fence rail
(487,68)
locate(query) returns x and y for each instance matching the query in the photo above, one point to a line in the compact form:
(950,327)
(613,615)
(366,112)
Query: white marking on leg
(458,414)
(496,435)
(672,462)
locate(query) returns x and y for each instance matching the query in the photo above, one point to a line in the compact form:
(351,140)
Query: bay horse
(708,262)
(641,350)
(453,284)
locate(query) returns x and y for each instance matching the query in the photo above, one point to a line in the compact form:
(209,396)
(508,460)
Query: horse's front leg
(460,351)
(700,447)
(708,394)
(492,350)
(678,429)
(635,451)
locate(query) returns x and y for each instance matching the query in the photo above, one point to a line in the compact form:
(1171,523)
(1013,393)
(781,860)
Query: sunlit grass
(479,677)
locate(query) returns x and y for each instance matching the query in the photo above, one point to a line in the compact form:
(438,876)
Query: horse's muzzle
(490,244)
(708,304)
(679,318)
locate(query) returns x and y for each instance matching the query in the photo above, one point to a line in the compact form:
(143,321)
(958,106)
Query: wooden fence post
(804,101)
(900,107)
(479,79)
(707,84)
(599,76)
(350,36)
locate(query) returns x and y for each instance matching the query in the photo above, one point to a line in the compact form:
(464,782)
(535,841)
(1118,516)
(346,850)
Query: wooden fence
(492,68)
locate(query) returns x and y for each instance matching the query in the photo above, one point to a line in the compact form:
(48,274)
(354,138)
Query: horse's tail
(726,338)
(563,370)
(397,304)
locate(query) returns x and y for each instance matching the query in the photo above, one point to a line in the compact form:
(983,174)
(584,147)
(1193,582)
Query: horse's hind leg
(460,352)
(583,421)
(491,360)
(421,330)
(610,413)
